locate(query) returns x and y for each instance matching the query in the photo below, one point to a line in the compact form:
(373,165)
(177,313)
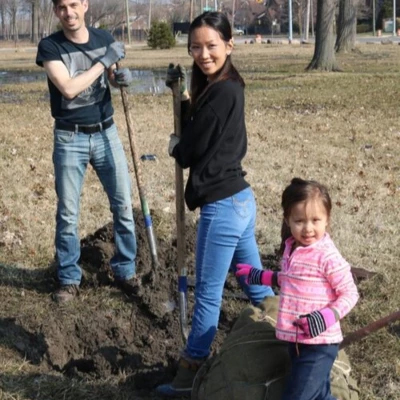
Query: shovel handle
(180,218)
(141,187)
(370,328)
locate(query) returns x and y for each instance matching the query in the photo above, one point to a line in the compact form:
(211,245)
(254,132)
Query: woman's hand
(174,73)
(173,141)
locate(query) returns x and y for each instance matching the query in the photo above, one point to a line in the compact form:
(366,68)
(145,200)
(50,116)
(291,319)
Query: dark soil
(104,333)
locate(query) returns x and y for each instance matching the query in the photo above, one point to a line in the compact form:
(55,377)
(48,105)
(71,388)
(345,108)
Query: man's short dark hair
(55,2)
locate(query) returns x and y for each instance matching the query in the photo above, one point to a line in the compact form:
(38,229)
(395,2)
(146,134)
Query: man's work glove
(315,323)
(255,276)
(123,76)
(174,73)
(114,53)
(173,141)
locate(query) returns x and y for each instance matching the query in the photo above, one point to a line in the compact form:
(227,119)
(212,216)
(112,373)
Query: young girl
(316,290)
(212,146)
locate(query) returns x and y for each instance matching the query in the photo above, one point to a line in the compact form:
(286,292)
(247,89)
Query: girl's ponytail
(285,234)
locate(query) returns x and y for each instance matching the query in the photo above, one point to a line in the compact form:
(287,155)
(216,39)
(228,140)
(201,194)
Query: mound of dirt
(103,332)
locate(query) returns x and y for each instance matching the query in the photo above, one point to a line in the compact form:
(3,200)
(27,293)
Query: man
(79,62)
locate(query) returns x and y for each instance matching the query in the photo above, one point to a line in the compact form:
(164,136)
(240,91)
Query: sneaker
(131,287)
(183,382)
(65,293)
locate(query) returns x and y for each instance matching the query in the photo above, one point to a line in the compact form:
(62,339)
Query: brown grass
(340,128)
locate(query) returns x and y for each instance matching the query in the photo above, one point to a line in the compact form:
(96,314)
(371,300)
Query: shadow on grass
(94,263)
(31,347)
(41,280)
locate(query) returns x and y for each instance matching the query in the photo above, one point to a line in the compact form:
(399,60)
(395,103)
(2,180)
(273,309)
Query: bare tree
(35,4)
(347,26)
(191,10)
(46,17)
(177,11)
(306,20)
(3,16)
(100,10)
(324,51)
(298,8)
(12,7)
(140,12)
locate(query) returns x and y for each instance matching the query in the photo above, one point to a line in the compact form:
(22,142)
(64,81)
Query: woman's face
(208,50)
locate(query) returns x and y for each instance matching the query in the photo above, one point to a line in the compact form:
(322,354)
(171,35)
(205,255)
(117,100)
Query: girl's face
(208,50)
(308,221)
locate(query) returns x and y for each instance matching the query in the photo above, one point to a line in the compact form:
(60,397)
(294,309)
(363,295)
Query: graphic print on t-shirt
(77,63)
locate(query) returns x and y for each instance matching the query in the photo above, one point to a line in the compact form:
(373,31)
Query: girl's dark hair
(301,190)
(220,23)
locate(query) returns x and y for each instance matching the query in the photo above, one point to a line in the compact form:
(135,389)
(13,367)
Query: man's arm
(71,87)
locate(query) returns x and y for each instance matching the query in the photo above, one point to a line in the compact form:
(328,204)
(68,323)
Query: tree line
(34,18)
(335,20)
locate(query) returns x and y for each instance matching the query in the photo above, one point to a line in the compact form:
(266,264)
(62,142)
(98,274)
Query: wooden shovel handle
(180,220)
(179,186)
(370,328)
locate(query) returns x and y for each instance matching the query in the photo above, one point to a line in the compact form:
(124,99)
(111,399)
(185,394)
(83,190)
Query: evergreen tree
(160,36)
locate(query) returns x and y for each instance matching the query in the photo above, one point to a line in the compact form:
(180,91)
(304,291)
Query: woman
(212,145)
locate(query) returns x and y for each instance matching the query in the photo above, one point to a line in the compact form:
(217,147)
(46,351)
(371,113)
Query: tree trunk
(324,53)
(347,26)
(14,24)
(307,21)
(35,21)
(3,23)
(299,18)
(47,16)
(191,11)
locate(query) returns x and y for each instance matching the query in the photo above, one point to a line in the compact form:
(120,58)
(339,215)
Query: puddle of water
(147,81)
(144,81)
(21,77)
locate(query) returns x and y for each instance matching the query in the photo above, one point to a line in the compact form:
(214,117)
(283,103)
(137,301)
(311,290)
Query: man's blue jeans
(309,378)
(72,153)
(225,237)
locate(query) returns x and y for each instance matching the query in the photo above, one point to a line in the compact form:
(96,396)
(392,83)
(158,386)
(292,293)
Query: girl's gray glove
(123,76)
(114,53)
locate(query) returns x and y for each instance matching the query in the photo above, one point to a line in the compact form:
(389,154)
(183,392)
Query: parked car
(238,31)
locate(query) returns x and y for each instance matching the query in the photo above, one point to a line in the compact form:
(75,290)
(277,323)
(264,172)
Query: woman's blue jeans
(225,237)
(309,378)
(73,151)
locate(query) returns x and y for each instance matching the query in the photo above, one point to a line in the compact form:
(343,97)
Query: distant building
(181,27)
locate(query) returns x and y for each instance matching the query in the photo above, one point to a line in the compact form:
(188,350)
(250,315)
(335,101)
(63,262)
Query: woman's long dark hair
(199,84)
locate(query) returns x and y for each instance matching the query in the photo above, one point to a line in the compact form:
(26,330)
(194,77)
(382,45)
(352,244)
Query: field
(342,129)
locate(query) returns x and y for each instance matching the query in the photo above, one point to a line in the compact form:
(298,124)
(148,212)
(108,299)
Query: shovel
(370,328)
(180,219)
(141,188)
